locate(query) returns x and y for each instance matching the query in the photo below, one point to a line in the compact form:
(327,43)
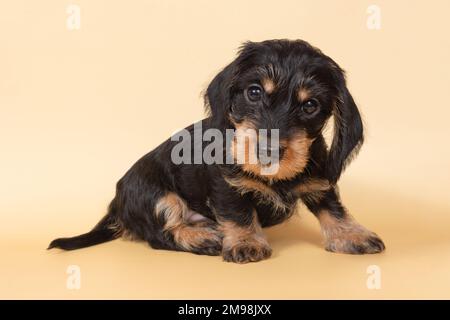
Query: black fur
(204,188)
(102,232)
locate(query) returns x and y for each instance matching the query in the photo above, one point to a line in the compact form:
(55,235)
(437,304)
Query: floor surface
(415,265)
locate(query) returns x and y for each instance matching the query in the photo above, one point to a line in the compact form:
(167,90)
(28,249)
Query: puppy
(286,88)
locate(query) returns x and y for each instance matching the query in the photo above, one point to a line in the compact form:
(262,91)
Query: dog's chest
(280,196)
(277,197)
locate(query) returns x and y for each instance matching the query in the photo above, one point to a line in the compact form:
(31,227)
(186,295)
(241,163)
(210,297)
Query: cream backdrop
(78,107)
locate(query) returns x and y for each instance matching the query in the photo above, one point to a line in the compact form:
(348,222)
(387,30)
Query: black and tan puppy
(220,208)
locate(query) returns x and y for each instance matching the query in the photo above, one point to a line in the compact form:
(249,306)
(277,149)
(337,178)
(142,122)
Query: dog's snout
(270,151)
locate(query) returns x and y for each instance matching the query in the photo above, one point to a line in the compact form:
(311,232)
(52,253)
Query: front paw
(358,242)
(245,252)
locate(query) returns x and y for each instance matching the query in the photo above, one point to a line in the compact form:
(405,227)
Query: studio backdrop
(88,87)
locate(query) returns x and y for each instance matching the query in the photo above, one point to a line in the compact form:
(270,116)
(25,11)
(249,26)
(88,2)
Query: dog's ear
(348,131)
(218,95)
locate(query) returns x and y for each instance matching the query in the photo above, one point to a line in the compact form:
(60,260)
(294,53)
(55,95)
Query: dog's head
(295,88)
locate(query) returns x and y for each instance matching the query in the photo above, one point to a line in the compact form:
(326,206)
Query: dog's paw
(200,238)
(208,241)
(247,251)
(208,250)
(355,242)
(209,247)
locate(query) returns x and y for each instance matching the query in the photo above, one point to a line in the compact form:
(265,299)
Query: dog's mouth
(256,152)
(276,160)
(261,147)
(269,155)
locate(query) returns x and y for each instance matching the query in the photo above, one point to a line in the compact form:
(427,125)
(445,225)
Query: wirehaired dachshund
(283,87)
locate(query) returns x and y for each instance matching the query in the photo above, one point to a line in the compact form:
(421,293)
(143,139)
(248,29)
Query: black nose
(264,151)
(267,150)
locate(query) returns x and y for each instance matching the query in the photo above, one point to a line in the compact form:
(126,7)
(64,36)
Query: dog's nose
(265,151)
(268,150)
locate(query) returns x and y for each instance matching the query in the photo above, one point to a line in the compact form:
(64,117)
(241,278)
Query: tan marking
(176,214)
(313,185)
(268,85)
(303,94)
(313,197)
(266,193)
(244,152)
(249,241)
(342,235)
(294,160)
(173,208)
(190,237)
(118,229)
(313,189)
(243,146)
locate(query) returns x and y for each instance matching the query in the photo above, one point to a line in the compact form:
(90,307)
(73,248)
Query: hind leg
(183,229)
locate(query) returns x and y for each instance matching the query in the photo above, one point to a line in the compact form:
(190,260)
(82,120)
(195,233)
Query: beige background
(77,108)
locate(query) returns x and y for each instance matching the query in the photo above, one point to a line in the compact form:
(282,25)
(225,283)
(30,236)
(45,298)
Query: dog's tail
(105,230)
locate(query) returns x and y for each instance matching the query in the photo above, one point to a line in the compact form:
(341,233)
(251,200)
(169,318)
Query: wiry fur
(220,208)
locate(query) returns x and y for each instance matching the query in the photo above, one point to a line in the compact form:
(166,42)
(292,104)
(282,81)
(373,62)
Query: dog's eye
(310,106)
(254,93)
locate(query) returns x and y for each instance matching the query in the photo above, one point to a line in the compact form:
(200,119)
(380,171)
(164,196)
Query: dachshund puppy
(287,88)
